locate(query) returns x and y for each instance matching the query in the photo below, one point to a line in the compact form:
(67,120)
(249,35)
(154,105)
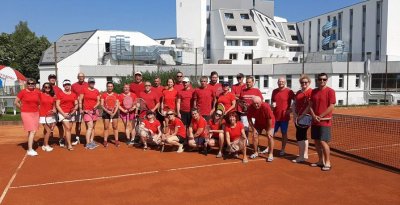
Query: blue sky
(155,18)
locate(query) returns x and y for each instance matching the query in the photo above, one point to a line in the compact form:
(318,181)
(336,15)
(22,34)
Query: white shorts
(42,120)
(61,118)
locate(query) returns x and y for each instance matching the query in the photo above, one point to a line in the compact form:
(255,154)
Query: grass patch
(10,117)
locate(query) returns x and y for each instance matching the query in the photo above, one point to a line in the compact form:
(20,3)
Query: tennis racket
(242,105)
(163,112)
(304,121)
(50,120)
(141,105)
(221,107)
(128,104)
(234,147)
(111,104)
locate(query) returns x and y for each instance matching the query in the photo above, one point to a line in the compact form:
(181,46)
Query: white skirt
(61,118)
(42,120)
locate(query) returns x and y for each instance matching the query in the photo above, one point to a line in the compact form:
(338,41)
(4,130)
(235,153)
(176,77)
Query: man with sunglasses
(204,99)
(179,81)
(78,88)
(322,104)
(239,86)
(52,80)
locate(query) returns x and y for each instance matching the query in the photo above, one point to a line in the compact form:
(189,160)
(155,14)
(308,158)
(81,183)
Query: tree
(22,50)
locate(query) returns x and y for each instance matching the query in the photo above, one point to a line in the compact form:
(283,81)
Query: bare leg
(326,153)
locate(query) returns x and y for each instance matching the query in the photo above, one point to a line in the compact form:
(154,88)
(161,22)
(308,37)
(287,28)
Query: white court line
(82,180)
(3,195)
(364,148)
(132,174)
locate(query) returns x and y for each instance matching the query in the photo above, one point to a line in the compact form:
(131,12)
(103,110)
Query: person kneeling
(216,132)
(236,137)
(150,130)
(197,128)
(175,133)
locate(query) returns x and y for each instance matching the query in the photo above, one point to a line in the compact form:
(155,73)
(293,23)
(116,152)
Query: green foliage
(8,117)
(22,50)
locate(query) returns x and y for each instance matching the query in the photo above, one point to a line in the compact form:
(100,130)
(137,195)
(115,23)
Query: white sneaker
(76,142)
(265,151)
(180,149)
(31,153)
(47,148)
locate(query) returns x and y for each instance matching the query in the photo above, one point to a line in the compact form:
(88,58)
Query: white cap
(66,81)
(138,73)
(186,79)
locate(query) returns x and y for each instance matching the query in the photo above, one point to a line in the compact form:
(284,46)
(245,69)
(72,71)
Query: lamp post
(302,65)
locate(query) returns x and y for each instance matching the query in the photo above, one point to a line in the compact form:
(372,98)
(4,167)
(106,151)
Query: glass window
(230,79)
(295,38)
(257,83)
(232,28)
(244,16)
(220,78)
(358,80)
(232,42)
(266,81)
(247,29)
(341,81)
(248,56)
(247,43)
(228,15)
(268,30)
(233,56)
(291,27)
(109,79)
(274,33)
(289,81)
(259,15)
(268,21)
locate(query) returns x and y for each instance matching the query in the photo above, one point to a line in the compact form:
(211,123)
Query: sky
(155,18)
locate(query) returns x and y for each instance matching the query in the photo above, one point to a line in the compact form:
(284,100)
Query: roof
(66,46)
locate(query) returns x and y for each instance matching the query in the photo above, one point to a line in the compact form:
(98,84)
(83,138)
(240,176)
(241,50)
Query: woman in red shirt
(216,127)
(169,96)
(110,115)
(28,101)
(227,98)
(67,105)
(150,130)
(88,102)
(197,127)
(46,112)
(127,115)
(175,133)
(235,136)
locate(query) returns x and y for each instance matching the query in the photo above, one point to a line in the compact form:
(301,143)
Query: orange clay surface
(128,175)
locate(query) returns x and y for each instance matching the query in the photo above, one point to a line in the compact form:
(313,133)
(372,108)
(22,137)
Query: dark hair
(51,93)
(109,82)
(214,73)
(195,110)
(322,74)
(232,114)
(30,80)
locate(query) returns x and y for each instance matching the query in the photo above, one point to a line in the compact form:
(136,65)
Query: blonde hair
(304,77)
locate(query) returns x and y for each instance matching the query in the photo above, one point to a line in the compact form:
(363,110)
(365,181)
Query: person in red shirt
(28,101)
(235,136)
(299,107)
(127,115)
(150,130)
(138,86)
(179,81)
(263,120)
(52,80)
(226,98)
(47,114)
(169,96)
(184,102)
(322,104)
(157,87)
(197,134)
(175,133)
(151,99)
(110,115)
(247,96)
(89,100)
(78,88)
(67,105)
(214,85)
(281,101)
(216,127)
(238,87)
(204,99)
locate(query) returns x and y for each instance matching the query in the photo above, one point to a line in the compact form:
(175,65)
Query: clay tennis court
(127,175)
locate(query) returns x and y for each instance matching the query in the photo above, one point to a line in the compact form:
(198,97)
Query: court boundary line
(3,195)
(374,147)
(131,174)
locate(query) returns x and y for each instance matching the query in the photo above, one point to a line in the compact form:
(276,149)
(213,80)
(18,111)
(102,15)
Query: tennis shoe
(31,153)
(253,156)
(61,142)
(76,142)
(47,148)
(180,149)
(270,159)
(219,155)
(265,150)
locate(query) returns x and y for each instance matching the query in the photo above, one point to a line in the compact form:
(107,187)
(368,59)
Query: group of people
(213,115)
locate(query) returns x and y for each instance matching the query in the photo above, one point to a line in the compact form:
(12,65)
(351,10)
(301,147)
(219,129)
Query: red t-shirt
(150,98)
(227,100)
(169,97)
(105,95)
(122,96)
(179,86)
(67,101)
(204,98)
(197,124)
(283,99)
(261,116)
(186,97)
(214,87)
(216,126)
(177,123)
(136,88)
(78,88)
(30,100)
(56,89)
(46,104)
(302,99)
(158,90)
(153,126)
(248,94)
(90,98)
(237,89)
(321,100)
(234,132)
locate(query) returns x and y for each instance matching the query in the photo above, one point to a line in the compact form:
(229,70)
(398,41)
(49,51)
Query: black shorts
(186,118)
(322,133)
(181,139)
(107,116)
(301,133)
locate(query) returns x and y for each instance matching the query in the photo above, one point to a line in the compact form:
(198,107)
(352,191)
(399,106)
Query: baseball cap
(225,83)
(186,79)
(91,80)
(240,75)
(138,73)
(66,82)
(149,112)
(52,76)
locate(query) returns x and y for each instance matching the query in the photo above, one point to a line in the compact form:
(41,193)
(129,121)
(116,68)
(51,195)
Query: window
(340,102)
(341,81)
(220,78)
(232,28)
(244,16)
(230,80)
(274,33)
(172,42)
(109,79)
(291,27)
(257,83)
(358,80)
(228,15)
(379,81)
(247,43)
(248,56)
(289,81)
(280,35)
(268,30)
(259,15)
(273,23)
(295,38)
(268,21)
(232,42)
(294,49)
(266,81)
(162,42)
(107,47)
(247,29)
(233,56)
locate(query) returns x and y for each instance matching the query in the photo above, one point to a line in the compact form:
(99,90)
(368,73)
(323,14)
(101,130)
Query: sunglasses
(322,79)
(169,114)
(147,85)
(179,76)
(304,82)
(219,115)
(31,83)
(67,84)
(46,87)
